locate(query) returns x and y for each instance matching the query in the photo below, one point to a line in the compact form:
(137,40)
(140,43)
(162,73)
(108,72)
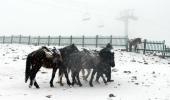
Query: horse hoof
(51,86)
(80,85)
(38,87)
(30,86)
(110,80)
(61,84)
(69,83)
(91,85)
(72,84)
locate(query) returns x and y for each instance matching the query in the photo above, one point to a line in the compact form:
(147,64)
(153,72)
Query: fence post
(111,39)
(20,39)
(48,40)
(11,39)
(164,48)
(59,40)
(71,39)
(144,50)
(38,40)
(3,39)
(97,40)
(165,52)
(127,43)
(29,38)
(83,41)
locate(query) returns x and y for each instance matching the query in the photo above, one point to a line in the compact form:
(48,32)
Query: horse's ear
(73,45)
(109,46)
(54,47)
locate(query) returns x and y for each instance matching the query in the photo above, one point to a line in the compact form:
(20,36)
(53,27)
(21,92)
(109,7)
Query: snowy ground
(136,77)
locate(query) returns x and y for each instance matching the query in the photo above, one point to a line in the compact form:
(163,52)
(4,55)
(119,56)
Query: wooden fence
(95,41)
(154,46)
(88,41)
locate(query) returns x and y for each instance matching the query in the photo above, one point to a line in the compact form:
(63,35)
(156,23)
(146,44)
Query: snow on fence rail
(95,41)
(87,41)
(154,46)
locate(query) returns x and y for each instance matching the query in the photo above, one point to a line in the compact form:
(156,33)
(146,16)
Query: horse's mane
(45,48)
(68,49)
(135,39)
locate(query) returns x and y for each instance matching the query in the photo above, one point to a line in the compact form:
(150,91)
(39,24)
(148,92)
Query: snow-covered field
(136,77)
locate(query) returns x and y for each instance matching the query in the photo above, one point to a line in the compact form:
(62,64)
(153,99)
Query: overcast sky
(85,17)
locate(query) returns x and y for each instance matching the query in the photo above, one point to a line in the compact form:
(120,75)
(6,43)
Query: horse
(38,58)
(103,52)
(90,53)
(103,67)
(82,60)
(65,52)
(134,42)
(95,52)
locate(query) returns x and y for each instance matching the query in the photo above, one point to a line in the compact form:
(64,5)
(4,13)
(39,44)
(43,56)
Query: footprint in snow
(49,96)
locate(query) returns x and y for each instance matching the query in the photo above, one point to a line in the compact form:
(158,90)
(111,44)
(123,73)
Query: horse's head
(108,57)
(109,46)
(57,55)
(139,40)
(73,48)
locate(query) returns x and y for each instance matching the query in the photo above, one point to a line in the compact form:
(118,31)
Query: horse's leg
(92,76)
(66,75)
(73,78)
(78,79)
(130,47)
(61,76)
(108,75)
(61,83)
(32,77)
(36,84)
(88,73)
(135,47)
(103,78)
(53,75)
(97,78)
(83,73)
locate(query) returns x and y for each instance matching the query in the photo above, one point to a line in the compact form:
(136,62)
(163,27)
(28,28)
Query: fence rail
(154,46)
(88,41)
(96,41)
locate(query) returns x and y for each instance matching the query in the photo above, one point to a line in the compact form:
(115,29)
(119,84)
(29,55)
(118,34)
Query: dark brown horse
(41,57)
(134,42)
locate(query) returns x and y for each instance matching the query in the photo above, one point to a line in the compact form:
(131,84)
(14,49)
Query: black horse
(134,42)
(41,57)
(104,67)
(102,52)
(65,53)
(82,60)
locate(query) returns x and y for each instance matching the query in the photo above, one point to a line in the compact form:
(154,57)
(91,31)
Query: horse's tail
(28,68)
